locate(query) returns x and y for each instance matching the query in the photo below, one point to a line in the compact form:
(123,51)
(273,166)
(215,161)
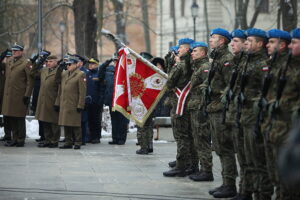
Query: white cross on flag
(138,86)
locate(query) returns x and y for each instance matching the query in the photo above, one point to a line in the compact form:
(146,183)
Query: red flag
(139,85)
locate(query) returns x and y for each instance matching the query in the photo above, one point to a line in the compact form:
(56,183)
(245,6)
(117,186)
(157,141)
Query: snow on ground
(32,127)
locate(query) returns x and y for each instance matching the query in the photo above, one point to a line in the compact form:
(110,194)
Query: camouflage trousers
(145,134)
(223,145)
(186,154)
(202,139)
(276,134)
(245,184)
(51,132)
(256,164)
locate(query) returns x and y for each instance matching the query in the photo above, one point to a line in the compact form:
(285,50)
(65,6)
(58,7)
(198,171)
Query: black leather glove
(79,110)
(34,57)
(1,122)
(62,66)
(56,108)
(3,54)
(26,100)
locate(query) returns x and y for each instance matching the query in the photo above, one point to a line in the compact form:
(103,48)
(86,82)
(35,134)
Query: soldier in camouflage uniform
(255,68)
(198,120)
(278,50)
(282,110)
(221,133)
(238,46)
(179,78)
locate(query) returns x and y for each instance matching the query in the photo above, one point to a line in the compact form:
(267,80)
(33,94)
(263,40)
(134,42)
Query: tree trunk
(146,25)
(85,27)
(289,14)
(120,21)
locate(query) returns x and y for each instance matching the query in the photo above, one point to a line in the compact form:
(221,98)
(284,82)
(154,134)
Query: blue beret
(198,44)
(174,49)
(238,33)
(256,33)
(295,33)
(276,33)
(185,41)
(221,31)
(17,47)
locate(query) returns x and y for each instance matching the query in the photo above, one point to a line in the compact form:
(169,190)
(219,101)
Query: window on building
(182,7)
(172,8)
(263,5)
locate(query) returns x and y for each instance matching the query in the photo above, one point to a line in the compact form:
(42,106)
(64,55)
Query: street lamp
(194,11)
(62,28)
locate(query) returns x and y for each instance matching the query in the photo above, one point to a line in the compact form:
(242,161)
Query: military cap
(8,53)
(295,33)
(221,31)
(72,59)
(45,53)
(81,58)
(146,55)
(238,33)
(93,61)
(276,33)
(52,57)
(185,41)
(256,33)
(174,49)
(158,60)
(17,47)
(66,57)
(198,44)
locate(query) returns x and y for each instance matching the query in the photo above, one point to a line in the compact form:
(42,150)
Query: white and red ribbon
(182,95)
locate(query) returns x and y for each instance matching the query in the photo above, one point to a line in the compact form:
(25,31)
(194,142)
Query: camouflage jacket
(223,63)
(180,75)
(290,100)
(257,68)
(200,69)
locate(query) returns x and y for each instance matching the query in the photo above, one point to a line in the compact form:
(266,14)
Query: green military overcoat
(47,95)
(72,94)
(18,83)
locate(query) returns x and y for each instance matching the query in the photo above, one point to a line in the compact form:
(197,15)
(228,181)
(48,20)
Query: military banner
(138,86)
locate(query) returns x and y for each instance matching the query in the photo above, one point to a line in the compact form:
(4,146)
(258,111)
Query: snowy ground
(32,127)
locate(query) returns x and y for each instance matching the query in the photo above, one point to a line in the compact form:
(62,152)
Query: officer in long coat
(17,92)
(71,101)
(45,106)
(3,121)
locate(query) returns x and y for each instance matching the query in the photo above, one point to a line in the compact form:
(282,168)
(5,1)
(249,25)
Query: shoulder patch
(265,68)
(227,64)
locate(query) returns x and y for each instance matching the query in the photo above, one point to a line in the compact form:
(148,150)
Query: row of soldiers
(242,101)
(61,101)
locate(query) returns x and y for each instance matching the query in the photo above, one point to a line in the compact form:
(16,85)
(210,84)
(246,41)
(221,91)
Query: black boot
(172,164)
(227,191)
(175,172)
(191,170)
(142,151)
(212,191)
(202,176)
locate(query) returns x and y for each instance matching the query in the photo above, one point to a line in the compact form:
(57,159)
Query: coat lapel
(18,62)
(72,75)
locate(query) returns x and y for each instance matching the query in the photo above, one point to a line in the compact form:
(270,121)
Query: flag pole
(112,37)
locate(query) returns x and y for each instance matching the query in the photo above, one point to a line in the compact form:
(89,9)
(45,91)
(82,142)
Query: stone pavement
(97,171)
